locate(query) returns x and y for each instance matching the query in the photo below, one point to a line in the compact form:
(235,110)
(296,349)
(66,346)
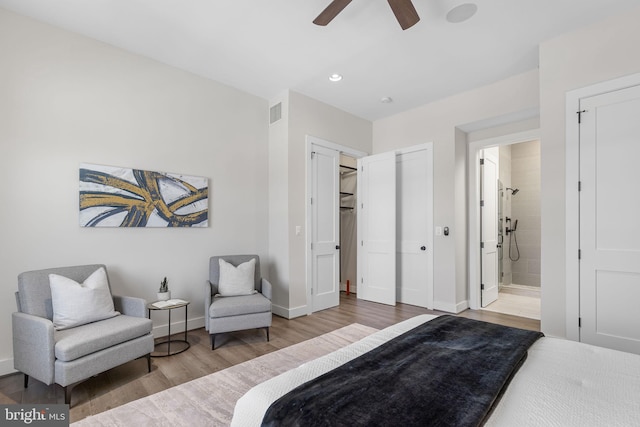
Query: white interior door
(489,226)
(415,227)
(377,228)
(609,220)
(325,206)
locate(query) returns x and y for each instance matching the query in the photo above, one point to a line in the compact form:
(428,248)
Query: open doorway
(369,233)
(330,224)
(348,224)
(518,230)
(515,267)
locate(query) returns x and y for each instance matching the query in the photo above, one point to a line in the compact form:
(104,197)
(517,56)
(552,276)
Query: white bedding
(562,383)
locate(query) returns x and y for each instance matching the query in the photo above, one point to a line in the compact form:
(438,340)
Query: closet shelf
(344,170)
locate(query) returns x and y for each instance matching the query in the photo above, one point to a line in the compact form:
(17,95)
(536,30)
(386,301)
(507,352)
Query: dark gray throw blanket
(446,372)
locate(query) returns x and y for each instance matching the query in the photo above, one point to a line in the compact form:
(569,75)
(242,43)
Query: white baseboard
(289,313)
(451,308)
(6,367)
(462,306)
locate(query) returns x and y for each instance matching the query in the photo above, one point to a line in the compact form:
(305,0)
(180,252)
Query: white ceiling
(267,46)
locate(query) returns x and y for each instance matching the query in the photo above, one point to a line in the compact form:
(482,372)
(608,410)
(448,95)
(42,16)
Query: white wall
(597,53)
(437,122)
(67,99)
(279,207)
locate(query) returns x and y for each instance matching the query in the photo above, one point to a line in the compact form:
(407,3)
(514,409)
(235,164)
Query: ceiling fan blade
(334,8)
(405,13)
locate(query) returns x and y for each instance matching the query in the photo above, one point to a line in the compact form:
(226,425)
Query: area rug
(209,401)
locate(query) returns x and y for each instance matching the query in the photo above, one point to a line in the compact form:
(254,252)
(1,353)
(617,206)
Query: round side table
(182,345)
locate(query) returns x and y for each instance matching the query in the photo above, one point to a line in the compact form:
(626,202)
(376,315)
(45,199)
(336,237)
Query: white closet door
(489,227)
(326,228)
(377,228)
(415,227)
(610,220)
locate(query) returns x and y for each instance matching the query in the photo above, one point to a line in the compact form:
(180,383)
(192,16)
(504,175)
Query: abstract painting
(121,197)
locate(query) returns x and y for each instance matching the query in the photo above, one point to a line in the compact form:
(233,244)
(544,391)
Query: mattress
(562,383)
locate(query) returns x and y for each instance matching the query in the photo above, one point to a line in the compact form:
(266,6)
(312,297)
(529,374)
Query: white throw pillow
(76,304)
(238,280)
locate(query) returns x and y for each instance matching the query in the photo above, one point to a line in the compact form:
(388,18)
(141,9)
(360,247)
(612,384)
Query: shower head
(513,190)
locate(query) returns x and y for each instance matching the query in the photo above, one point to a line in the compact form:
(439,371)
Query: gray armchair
(236,313)
(69,356)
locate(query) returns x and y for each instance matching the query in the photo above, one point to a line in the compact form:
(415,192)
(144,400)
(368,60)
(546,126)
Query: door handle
(337,246)
(423,248)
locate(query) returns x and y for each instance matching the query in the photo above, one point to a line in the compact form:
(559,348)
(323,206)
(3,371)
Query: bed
(561,383)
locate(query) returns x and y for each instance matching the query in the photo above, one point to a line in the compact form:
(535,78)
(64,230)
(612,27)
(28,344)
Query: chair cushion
(76,304)
(237,280)
(239,305)
(77,342)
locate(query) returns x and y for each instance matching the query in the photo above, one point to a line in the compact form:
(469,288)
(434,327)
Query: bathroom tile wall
(525,207)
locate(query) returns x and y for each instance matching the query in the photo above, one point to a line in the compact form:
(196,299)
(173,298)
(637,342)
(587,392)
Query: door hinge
(482,286)
(311,291)
(481,245)
(579,185)
(579,253)
(311,200)
(361,242)
(580,115)
(482,203)
(313,153)
(579,322)
(481,162)
(311,246)
(362,280)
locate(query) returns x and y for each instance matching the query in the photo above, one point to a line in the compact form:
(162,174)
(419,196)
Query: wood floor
(131,380)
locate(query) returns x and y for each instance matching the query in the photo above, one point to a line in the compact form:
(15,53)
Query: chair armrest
(266,288)
(210,289)
(130,306)
(33,346)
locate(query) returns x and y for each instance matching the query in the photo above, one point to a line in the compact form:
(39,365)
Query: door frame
(572,199)
(473,175)
(342,149)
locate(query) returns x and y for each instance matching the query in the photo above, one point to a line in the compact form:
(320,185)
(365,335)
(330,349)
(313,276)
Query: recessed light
(461,13)
(335,77)
(386,100)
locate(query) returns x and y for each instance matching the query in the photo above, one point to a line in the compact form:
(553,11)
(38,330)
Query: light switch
(438,231)
(298,230)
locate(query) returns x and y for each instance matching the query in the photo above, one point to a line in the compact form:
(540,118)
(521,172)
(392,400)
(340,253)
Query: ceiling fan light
(335,77)
(462,12)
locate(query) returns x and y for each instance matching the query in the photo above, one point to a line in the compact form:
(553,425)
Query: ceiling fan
(403,9)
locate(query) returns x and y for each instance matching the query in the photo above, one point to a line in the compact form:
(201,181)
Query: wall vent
(275,113)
